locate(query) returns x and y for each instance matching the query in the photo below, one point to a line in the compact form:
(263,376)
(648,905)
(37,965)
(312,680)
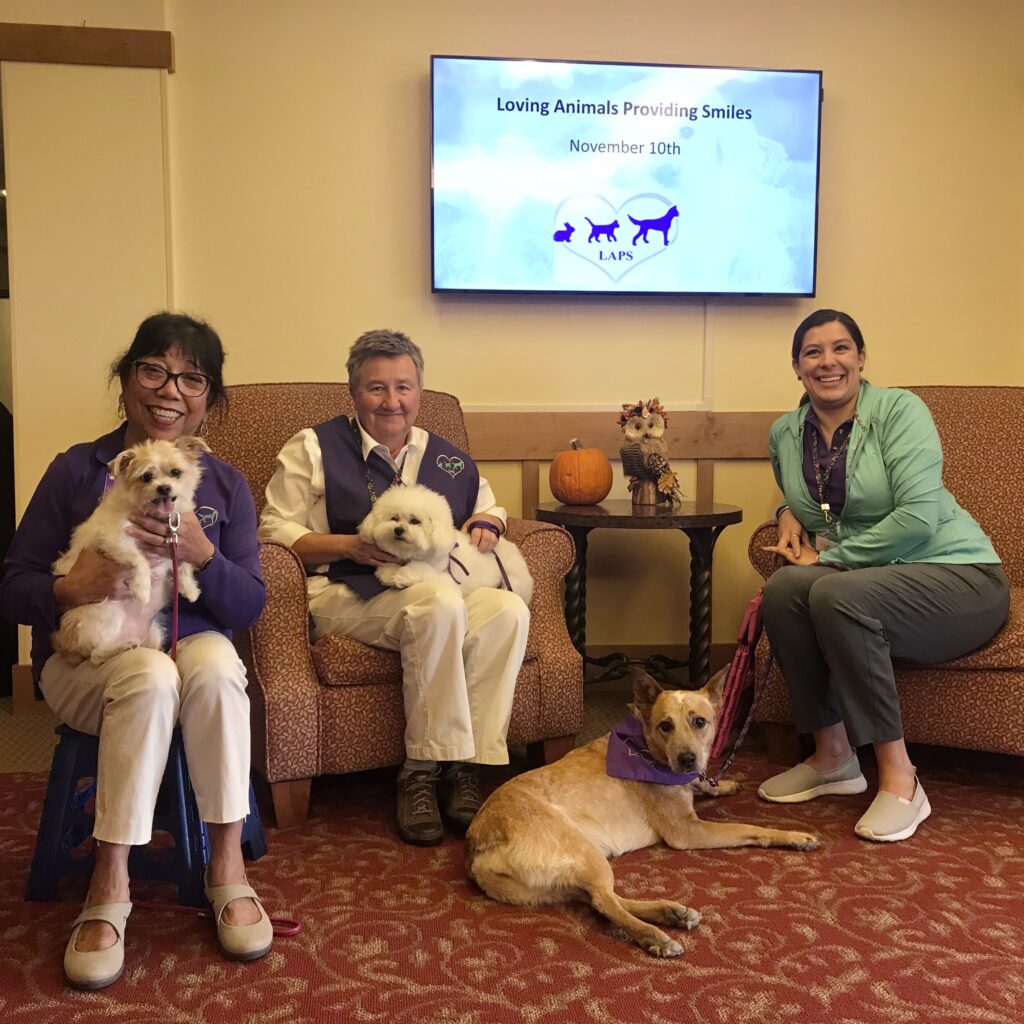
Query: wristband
(205,565)
(484,525)
(780,510)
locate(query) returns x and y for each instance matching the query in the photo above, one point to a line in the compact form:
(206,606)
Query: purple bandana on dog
(629,758)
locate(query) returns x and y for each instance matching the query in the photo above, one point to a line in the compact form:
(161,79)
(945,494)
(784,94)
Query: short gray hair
(381,342)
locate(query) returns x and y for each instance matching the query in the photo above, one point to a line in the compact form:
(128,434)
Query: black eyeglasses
(191,383)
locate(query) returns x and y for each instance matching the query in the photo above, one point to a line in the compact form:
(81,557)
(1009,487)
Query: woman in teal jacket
(883,563)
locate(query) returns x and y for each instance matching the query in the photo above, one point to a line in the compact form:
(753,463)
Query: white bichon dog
(415,524)
(154,475)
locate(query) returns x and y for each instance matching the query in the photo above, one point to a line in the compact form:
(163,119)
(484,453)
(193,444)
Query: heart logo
(450,464)
(207,516)
(617,239)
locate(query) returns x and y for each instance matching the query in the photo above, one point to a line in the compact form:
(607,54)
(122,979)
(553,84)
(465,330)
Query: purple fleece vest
(444,469)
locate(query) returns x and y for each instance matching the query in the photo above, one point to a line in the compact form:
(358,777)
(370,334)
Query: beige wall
(86,222)
(298,163)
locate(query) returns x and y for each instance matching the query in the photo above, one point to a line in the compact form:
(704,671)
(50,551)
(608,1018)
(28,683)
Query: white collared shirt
(296,495)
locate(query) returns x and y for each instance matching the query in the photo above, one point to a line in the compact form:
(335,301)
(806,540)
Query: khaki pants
(460,659)
(132,703)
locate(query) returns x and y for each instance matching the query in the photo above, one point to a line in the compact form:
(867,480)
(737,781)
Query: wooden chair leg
(291,802)
(550,750)
(783,743)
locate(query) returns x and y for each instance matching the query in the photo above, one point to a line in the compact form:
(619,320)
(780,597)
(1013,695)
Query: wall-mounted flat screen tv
(577,176)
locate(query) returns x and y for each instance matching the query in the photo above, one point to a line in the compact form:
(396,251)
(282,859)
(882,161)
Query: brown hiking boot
(460,794)
(419,821)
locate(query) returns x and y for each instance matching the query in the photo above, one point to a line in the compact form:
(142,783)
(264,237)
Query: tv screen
(559,176)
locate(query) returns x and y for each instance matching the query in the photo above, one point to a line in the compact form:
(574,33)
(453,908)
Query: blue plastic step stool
(66,823)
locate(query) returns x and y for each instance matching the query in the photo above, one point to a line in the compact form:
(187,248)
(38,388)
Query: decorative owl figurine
(644,453)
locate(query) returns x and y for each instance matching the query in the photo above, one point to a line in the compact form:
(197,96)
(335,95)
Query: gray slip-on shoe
(891,818)
(802,783)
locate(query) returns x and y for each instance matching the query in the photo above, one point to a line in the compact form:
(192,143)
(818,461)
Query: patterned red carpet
(853,933)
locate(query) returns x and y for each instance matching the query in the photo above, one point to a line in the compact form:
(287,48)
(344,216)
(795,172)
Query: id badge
(822,543)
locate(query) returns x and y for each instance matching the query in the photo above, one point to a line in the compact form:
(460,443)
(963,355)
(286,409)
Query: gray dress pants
(834,633)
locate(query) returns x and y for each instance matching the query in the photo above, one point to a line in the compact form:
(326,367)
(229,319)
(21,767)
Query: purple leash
(465,571)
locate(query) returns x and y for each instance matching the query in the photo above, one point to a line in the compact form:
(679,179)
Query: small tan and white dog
(414,524)
(546,836)
(160,476)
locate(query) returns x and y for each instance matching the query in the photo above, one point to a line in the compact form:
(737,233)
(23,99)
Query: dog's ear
(119,463)
(191,445)
(645,692)
(714,687)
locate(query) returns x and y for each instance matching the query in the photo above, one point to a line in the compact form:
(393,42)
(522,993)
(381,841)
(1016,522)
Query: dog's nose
(164,490)
(688,762)
(399,530)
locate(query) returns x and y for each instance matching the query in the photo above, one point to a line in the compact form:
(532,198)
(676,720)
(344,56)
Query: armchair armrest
(549,553)
(765,562)
(283,684)
(548,549)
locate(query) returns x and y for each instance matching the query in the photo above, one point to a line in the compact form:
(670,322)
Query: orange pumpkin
(580,476)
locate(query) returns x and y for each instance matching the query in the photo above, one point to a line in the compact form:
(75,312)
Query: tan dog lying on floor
(545,836)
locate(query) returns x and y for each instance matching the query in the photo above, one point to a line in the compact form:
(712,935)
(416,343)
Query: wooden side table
(702,529)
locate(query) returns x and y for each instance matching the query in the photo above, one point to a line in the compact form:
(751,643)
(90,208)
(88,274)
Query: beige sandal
(97,968)
(240,941)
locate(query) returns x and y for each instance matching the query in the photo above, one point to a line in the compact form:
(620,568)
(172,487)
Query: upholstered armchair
(336,706)
(975,702)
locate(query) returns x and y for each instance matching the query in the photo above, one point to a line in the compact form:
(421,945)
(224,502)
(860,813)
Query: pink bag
(740,676)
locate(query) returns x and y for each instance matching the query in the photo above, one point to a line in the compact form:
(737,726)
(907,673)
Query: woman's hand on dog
(92,578)
(151,532)
(358,550)
(480,537)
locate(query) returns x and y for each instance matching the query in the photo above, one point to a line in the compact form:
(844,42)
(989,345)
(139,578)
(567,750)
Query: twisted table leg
(576,592)
(702,545)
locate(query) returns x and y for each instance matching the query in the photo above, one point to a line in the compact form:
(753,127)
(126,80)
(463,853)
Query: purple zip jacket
(233,593)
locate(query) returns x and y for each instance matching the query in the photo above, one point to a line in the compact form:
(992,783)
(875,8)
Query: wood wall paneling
(73,44)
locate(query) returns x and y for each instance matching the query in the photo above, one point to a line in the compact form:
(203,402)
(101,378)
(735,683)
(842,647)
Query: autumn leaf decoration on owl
(644,452)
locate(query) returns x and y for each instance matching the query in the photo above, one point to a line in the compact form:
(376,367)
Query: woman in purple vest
(170,378)
(460,658)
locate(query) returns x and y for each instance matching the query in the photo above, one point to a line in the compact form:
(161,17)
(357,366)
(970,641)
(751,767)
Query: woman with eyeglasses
(883,564)
(170,379)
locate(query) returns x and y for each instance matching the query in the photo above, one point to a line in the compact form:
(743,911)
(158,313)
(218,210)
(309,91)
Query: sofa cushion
(342,661)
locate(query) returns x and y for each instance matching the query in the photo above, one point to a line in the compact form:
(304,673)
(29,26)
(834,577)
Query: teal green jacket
(896,508)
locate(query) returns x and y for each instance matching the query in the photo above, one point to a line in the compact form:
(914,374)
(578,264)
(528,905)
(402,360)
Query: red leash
(283,926)
(173,522)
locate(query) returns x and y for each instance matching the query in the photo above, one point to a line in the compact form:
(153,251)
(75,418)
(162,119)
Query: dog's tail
(589,221)
(634,220)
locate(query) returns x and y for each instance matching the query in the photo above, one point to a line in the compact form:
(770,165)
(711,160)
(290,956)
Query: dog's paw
(802,840)
(188,587)
(727,787)
(678,916)
(659,944)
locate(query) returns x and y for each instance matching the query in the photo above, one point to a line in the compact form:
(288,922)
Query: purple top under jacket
(444,469)
(835,489)
(233,593)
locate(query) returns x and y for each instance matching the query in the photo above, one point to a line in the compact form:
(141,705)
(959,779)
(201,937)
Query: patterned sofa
(336,706)
(975,702)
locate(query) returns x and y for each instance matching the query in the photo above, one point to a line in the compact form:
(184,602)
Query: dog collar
(629,758)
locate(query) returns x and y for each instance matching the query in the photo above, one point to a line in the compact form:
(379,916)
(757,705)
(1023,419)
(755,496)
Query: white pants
(132,703)
(460,659)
